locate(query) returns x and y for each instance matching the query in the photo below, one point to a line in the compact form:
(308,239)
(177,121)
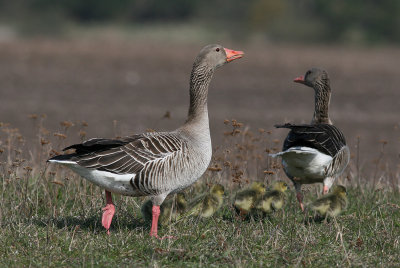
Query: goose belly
(310,166)
(115,183)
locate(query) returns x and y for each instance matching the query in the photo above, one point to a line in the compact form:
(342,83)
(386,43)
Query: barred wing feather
(326,138)
(128,155)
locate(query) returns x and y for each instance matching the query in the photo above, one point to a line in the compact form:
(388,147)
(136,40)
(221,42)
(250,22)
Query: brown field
(54,93)
(136,82)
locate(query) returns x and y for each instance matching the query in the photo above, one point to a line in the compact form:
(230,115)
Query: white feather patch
(116,183)
(65,162)
(304,162)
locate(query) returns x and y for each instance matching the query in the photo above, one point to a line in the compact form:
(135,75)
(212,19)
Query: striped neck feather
(199,81)
(322,99)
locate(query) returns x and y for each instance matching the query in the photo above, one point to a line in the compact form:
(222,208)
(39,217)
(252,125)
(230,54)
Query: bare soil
(137,82)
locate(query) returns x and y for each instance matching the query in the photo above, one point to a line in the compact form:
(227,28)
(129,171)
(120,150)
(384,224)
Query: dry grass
(51,217)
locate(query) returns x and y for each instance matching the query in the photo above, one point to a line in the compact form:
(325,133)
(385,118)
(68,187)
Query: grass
(51,217)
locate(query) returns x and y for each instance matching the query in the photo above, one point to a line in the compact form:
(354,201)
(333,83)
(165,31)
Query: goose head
(315,78)
(215,56)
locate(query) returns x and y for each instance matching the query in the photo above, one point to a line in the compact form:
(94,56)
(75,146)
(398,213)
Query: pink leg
(325,190)
(300,199)
(108,212)
(154,224)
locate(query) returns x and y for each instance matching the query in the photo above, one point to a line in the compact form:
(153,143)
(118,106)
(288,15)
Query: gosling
(207,204)
(246,199)
(169,210)
(273,199)
(331,205)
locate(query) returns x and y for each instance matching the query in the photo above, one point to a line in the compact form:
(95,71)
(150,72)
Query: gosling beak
(300,80)
(233,54)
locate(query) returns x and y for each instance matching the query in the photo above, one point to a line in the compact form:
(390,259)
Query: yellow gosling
(273,199)
(169,210)
(331,205)
(245,200)
(207,204)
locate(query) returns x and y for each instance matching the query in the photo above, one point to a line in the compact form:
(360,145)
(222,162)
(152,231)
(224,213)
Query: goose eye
(217,49)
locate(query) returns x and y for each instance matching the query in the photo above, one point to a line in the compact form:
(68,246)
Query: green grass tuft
(51,217)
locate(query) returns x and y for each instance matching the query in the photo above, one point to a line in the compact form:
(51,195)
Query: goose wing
(326,138)
(127,155)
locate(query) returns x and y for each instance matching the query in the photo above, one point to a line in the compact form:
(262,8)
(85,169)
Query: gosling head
(217,189)
(259,187)
(280,186)
(181,198)
(339,190)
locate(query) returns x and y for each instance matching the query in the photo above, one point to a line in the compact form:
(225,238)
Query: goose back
(329,143)
(326,138)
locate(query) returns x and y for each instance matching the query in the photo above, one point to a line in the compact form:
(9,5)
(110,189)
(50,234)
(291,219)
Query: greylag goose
(154,164)
(316,152)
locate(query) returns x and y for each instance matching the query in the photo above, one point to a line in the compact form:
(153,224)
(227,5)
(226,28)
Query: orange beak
(299,79)
(233,54)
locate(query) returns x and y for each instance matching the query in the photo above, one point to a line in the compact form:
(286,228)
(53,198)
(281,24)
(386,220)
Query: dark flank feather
(326,138)
(96,145)
(126,155)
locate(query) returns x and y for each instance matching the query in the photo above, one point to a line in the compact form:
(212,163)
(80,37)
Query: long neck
(322,98)
(199,82)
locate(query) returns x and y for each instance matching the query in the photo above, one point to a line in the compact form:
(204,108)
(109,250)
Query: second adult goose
(316,152)
(154,164)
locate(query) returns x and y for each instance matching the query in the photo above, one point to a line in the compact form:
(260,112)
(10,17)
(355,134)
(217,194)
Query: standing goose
(154,164)
(316,152)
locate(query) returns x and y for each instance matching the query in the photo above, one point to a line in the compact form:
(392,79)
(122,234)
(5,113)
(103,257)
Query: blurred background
(120,67)
(306,21)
